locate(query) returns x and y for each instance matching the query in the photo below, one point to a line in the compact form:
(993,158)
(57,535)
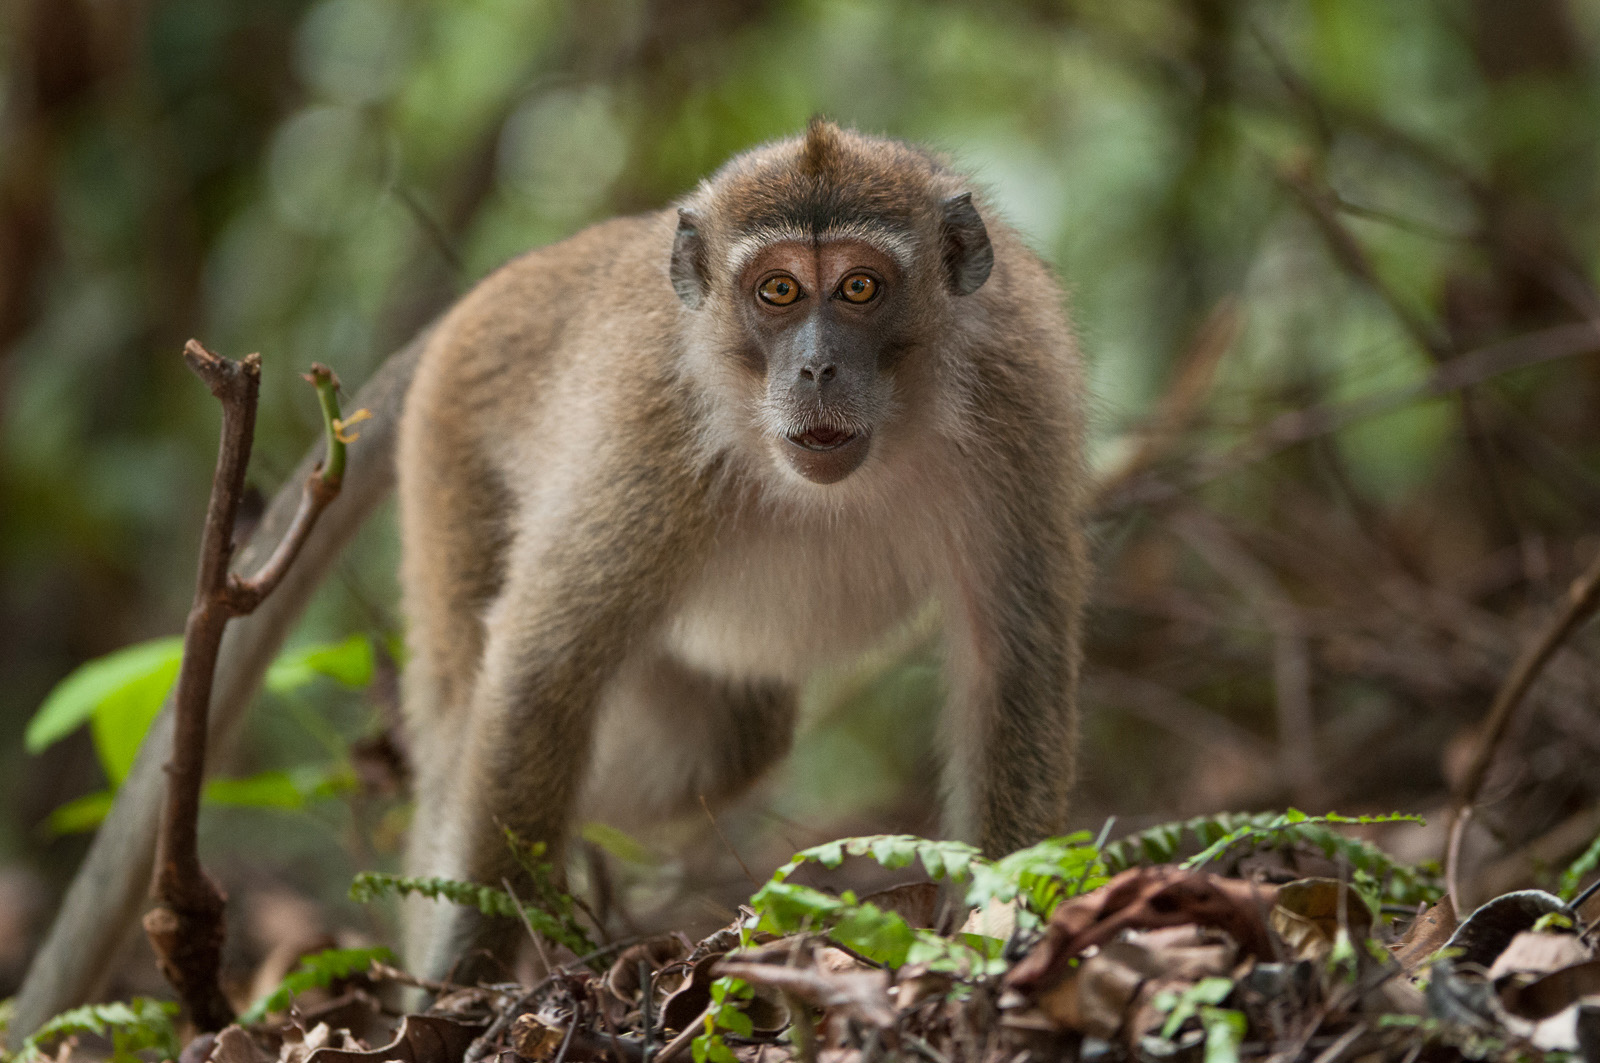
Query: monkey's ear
(968,255)
(689,261)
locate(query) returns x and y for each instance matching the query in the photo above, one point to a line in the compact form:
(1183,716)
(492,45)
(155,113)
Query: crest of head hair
(821,149)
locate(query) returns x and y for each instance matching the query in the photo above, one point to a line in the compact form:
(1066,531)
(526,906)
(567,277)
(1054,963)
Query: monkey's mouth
(822,437)
(824,454)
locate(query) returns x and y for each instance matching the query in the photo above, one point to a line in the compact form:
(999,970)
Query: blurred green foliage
(120,694)
(316,180)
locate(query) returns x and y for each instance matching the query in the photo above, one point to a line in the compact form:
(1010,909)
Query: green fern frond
(317,971)
(561,928)
(1400,883)
(942,859)
(134,1025)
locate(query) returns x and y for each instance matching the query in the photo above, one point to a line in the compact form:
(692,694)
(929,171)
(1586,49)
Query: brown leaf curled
(1144,898)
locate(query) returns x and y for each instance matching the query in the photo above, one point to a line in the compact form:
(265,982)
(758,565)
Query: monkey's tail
(112,886)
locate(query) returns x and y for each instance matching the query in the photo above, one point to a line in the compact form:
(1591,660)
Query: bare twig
(1291,660)
(527,924)
(726,843)
(1583,599)
(1170,710)
(1322,205)
(383,971)
(1184,395)
(1314,422)
(186,926)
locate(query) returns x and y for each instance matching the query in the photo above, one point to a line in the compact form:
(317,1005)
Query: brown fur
(608,572)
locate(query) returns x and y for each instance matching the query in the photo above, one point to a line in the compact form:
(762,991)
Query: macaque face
(822,318)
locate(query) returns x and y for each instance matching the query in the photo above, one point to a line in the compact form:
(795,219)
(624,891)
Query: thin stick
(1291,660)
(383,971)
(1583,599)
(1583,898)
(1452,857)
(1190,386)
(572,1028)
(1347,251)
(1314,422)
(533,935)
(646,988)
(726,843)
(186,928)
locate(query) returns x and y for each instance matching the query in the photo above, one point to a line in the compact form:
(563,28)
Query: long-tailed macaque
(652,476)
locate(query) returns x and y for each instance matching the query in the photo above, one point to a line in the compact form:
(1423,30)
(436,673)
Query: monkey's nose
(818,374)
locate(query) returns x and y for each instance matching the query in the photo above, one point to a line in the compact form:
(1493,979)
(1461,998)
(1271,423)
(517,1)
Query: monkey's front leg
(1012,665)
(520,761)
(574,600)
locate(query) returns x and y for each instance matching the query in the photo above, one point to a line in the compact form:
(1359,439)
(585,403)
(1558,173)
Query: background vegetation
(1258,207)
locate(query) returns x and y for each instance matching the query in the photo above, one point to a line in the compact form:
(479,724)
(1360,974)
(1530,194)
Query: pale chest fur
(780,599)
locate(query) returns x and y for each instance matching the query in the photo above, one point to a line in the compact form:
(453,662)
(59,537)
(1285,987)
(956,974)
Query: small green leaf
(1225,1031)
(348,662)
(1205,992)
(81,814)
(76,698)
(892,852)
(619,843)
(1552,922)
(829,855)
(268,789)
(123,718)
(1573,876)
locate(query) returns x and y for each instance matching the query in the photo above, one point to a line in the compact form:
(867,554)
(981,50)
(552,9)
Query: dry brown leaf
(1485,934)
(997,919)
(1426,935)
(1552,993)
(685,1004)
(859,995)
(914,983)
(235,1045)
(421,1039)
(1108,988)
(1540,954)
(533,1038)
(916,902)
(1094,999)
(1311,911)
(1146,898)
(622,980)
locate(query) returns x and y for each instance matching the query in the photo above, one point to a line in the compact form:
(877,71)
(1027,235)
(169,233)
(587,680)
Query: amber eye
(858,288)
(780,290)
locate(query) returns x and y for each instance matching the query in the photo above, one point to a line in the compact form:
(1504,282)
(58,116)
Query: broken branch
(186,926)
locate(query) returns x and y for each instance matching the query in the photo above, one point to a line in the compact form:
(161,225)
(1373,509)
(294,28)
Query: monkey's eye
(858,288)
(780,290)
